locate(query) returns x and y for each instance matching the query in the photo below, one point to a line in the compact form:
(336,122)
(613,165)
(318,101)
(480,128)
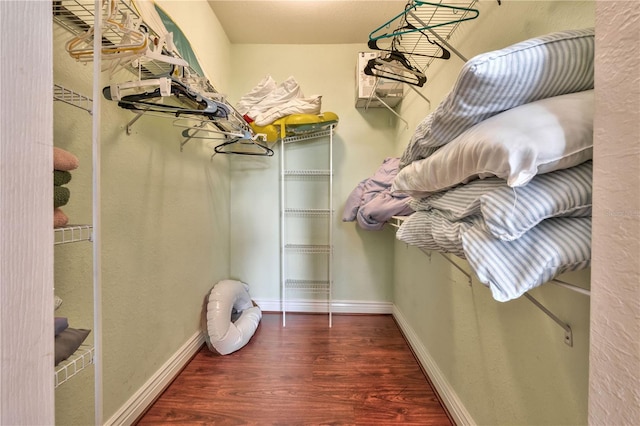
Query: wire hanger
(373,45)
(395,66)
(413,6)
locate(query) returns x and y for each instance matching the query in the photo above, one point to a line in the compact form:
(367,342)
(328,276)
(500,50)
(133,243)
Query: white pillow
(542,67)
(535,138)
(255,95)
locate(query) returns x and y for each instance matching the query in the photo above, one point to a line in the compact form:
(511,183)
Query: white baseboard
(144,397)
(337,306)
(448,396)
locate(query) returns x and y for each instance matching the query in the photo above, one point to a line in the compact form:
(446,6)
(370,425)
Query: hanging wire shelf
(72,234)
(81,359)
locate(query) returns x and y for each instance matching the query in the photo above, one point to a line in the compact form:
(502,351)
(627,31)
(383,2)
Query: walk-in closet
(401,211)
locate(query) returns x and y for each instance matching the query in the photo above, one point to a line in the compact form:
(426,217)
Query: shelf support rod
(392,110)
(568,334)
(136,118)
(458,267)
(420,93)
(571,287)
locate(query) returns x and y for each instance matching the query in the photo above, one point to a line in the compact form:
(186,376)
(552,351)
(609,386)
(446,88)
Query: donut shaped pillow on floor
(227,299)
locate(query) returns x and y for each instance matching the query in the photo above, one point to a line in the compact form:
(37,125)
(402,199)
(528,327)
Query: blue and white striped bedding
(508,213)
(493,82)
(511,268)
(514,238)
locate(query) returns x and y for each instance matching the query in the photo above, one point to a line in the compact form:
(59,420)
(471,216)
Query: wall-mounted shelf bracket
(568,334)
(133,120)
(462,271)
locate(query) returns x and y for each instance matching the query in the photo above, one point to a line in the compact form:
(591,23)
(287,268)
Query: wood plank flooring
(359,372)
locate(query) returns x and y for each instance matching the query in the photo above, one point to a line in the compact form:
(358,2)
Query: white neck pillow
(226,298)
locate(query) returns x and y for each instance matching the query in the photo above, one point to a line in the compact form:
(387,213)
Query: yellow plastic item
(296,124)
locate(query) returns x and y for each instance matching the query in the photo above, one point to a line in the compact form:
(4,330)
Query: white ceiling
(303,21)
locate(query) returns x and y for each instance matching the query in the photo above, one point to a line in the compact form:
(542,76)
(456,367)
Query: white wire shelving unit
(289,282)
(78,17)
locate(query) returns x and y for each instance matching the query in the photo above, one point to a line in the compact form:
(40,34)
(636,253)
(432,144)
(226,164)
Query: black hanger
(227,148)
(395,66)
(373,44)
(189,102)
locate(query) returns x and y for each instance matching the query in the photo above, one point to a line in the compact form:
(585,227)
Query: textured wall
(614,380)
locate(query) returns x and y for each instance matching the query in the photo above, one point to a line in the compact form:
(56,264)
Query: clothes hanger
(413,6)
(395,66)
(227,148)
(131,41)
(373,45)
(154,98)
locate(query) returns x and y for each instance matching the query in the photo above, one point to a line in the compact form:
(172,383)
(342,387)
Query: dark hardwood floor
(359,372)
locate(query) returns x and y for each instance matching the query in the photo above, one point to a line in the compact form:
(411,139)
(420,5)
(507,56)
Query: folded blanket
(59,218)
(60,196)
(67,342)
(64,160)
(372,203)
(60,324)
(61,177)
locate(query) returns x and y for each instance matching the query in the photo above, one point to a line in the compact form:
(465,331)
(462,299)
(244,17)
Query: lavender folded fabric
(60,324)
(67,342)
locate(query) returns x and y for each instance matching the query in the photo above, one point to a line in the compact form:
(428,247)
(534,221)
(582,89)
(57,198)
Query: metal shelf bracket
(568,334)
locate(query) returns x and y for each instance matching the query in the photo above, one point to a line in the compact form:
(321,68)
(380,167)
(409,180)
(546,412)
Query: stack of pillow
(500,172)
(63,163)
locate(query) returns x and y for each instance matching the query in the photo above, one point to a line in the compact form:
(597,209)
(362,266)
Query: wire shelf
(441,19)
(300,138)
(70,97)
(308,212)
(309,248)
(307,173)
(311,286)
(81,359)
(78,18)
(72,234)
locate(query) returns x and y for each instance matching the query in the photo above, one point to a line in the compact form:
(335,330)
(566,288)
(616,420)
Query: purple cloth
(372,204)
(60,324)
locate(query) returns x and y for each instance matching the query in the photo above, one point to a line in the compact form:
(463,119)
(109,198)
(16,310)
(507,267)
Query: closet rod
(568,334)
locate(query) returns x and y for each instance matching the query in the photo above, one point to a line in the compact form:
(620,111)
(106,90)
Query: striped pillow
(431,231)
(492,82)
(510,212)
(511,268)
